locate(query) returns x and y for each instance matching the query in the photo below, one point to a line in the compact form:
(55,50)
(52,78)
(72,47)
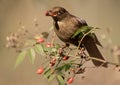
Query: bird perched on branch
(67,25)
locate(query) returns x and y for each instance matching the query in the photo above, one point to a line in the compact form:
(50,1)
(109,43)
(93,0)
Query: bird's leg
(63,47)
(81,50)
(83,56)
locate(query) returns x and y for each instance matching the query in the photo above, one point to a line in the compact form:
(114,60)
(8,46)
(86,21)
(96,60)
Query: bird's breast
(65,30)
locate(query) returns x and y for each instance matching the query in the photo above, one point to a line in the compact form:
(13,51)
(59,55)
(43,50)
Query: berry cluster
(61,62)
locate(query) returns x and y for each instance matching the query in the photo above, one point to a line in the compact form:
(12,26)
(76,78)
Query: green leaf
(54,50)
(47,73)
(51,77)
(63,67)
(60,80)
(78,32)
(81,31)
(31,54)
(39,49)
(46,49)
(86,29)
(61,73)
(20,58)
(50,51)
(67,67)
(60,68)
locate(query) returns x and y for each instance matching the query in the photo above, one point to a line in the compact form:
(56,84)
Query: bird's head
(57,13)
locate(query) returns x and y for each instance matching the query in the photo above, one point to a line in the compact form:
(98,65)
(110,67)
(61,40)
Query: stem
(93,58)
(84,37)
(53,39)
(59,61)
(82,40)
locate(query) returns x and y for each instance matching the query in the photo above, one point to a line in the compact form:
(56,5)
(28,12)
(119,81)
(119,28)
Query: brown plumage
(66,26)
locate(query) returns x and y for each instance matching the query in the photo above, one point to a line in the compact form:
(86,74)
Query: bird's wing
(81,21)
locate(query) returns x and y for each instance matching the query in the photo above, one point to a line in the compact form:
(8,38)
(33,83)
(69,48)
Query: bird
(66,25)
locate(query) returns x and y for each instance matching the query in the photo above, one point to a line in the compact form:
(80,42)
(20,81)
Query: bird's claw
(62,48)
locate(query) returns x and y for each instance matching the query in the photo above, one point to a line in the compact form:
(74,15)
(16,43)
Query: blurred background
(13,13)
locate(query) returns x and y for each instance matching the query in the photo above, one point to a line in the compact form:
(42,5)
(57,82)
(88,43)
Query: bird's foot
(81,51)
(62,48)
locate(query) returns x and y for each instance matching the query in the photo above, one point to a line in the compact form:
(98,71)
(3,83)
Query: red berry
(41,40)
(40,71)
(70,80)
(52,64)
(53,60)
(65,58)
(48,44)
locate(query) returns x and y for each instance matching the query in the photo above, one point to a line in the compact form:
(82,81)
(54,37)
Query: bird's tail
(94,52)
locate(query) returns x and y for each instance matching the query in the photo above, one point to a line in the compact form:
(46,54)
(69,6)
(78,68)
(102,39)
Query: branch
(84,37)
(94,58)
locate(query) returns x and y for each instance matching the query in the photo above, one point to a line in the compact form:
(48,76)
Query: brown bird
(66,25)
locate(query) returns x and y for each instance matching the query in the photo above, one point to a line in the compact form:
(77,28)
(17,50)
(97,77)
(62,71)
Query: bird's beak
(49,13)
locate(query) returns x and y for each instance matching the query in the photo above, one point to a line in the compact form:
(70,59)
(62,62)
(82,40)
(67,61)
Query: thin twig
(59,61)
(84,37)
(53,38)
(94,58)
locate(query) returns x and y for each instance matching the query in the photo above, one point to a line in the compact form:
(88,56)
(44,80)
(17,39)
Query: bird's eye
(58,13)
